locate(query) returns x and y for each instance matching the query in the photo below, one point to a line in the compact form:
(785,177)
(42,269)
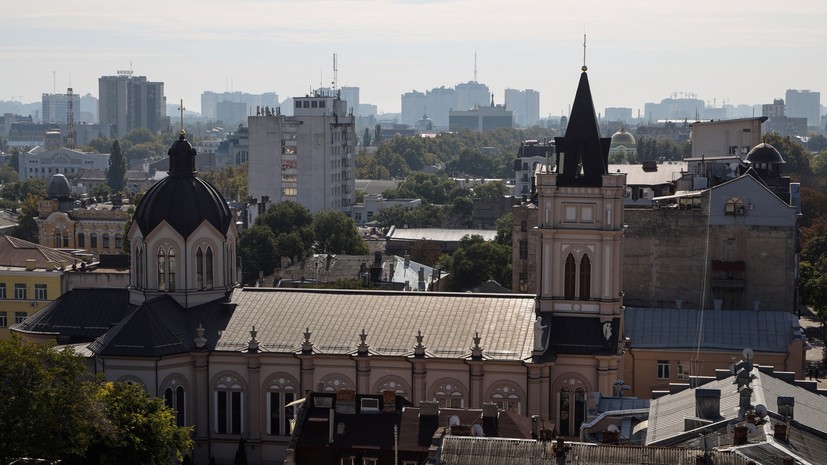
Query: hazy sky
(638,51)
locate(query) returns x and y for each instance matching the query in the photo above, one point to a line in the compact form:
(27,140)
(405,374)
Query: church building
(232,360)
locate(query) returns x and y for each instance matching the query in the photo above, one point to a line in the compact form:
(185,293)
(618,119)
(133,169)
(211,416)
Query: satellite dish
(761,411)
(732,369)
(613,428)
(476,430)
(729,428)
(752,428)
(453,421)
(748,353)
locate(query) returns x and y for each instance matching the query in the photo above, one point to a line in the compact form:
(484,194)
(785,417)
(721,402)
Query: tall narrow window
(579,407)
(172,270)
(208,268)
(585,278)
(565,403)
(162,266)
(175,398)
(229,404)
(93,240)
(199,269)
(570,275)
(81,240)
(106,241)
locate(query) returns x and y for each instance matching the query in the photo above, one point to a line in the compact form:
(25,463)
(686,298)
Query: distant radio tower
(335,74)
(475,65)
(70,119)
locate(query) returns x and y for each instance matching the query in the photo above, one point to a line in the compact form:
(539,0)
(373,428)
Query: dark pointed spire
(582,154)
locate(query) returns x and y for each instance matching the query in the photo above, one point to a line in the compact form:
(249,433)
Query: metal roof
(439,234)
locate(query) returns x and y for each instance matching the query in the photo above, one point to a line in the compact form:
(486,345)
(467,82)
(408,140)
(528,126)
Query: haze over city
(734,52)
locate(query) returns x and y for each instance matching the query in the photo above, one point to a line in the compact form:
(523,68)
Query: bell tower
(580,228)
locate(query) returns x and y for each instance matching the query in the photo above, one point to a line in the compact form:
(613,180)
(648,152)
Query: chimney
(490,410)
(428,409)
(421,285)
(740,435)
(29,264)
(346,401)
(786,407)
(708,403)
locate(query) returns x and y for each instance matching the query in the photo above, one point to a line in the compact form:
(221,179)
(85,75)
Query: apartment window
(663,369)
(20,291)
(734,206)
(3,320)
(40,292)
(523,250)
(321,104)
(683,370)
(19,317)
(2,290)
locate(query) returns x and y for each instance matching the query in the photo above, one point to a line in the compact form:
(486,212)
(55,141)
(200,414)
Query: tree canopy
(476,261)
(116,174)
(336,233)
(54,409)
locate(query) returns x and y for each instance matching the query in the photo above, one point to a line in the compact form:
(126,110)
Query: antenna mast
(70,119)
(475,65)
(335,75)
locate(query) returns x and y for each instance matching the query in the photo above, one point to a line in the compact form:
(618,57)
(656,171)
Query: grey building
(307,157)
(526,106)
(130,102)
(804,104)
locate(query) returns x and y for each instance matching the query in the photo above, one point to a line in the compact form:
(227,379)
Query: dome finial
(181,109)
(584,68)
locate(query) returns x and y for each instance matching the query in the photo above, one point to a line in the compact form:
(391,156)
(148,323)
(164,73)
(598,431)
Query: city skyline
(738,52)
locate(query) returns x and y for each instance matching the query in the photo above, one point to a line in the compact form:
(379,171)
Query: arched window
(208,269)
(507,396)
(106,241)
(139,274)
(175,398)
(199,269)
(162,267)
(570,275)
(81,240)
(392,383)
(449,393)
(281,391)
(579,408)
(229,405)
(119,241)
(333,382)
(58,239)
(571,404)
(93,240)
(171,270)
(585,278)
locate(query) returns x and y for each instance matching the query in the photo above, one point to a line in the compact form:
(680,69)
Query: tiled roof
(667,414)
(15,252)
(653,328)
(80,315)
(439,234)
(391,320)
(464,450)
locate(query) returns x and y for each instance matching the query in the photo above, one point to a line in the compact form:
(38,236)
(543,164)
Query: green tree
(100,190)
(26,228)
(138,429)
(14,160)
(477,261)
(336,233)
(377,134)
(116,174)
(490,190)
(366,138)
(797,158)
(258,251)
(48,410)
(505,228)
(817,143)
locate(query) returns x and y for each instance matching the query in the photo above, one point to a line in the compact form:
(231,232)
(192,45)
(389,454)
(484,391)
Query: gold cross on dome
(181,109)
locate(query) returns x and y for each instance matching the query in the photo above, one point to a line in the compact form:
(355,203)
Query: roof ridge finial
(584,68)
(181,109)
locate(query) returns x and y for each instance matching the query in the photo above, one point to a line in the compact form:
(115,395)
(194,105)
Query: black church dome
(58,187)
(181,199)
(764,153)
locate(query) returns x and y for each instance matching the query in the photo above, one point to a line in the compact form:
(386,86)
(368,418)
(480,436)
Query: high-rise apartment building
(350,95)
(211,104)
(526,106)
(56,108)
(471,94)
(130,102)
(804,104)
(307,157)
(414,105)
